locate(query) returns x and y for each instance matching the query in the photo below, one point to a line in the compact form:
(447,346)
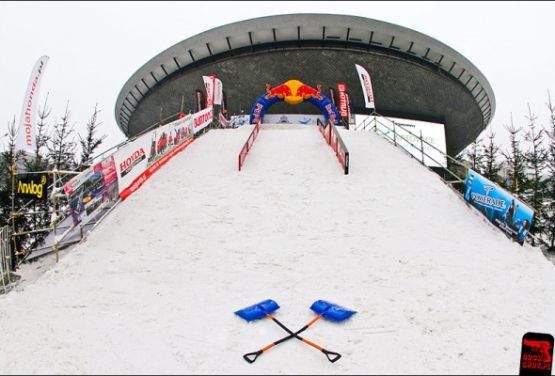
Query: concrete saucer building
(413,75)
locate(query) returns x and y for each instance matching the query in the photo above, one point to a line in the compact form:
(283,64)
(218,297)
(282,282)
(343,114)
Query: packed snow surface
(154,288)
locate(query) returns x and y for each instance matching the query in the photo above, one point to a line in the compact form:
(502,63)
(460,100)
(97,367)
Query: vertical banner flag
(209,83)
(342,94)
(224,102)
(218,91)
(332,96)
(366,86)
(26,132)
(200,101)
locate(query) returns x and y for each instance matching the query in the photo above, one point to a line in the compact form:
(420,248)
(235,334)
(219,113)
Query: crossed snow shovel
(323,308)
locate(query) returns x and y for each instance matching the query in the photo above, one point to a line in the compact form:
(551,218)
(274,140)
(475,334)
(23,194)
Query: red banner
(343,104)
(139,180)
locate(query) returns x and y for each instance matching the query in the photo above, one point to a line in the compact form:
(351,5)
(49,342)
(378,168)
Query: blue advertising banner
(501,208)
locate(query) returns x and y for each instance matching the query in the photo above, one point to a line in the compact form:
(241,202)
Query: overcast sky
(95,47)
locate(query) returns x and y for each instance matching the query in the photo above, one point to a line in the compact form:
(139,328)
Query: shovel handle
(251,357)
(332,356)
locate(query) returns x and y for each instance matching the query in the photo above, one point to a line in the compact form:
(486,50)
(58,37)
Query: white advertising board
(408,133)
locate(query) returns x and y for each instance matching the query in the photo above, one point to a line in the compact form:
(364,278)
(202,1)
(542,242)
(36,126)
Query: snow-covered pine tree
(516,162)
(40,219)
(491,163)
(536,160)
(90,143)
(61,148)
(550,189)
(474,156)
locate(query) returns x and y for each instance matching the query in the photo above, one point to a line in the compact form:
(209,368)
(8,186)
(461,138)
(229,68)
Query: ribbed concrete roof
(326,28)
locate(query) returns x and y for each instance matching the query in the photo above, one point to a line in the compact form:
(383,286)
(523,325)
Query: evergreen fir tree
(10,206)
(61,149)
(474,155)
(516,163)
(491,166)
(90,143)
(549,197)
(40,217)
(536,159)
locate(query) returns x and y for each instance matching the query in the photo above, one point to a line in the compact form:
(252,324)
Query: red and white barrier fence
(332,137)
(248,144)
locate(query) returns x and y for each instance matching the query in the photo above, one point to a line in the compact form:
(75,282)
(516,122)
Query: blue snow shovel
(321,307)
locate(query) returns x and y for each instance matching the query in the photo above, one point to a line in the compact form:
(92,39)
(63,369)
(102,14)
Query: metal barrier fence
(373,121)
(6,260)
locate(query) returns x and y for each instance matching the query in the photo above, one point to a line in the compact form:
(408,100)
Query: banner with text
(293,119)
(201,120)
(209,85)
(500,207)
(26,138)
(94,189)
(407,133)
(366,85)
(32,186)
(134,166)
(343,104)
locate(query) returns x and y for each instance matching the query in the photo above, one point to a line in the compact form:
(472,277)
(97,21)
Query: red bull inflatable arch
(293,92)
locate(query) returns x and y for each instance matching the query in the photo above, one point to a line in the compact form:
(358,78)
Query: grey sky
(94,47)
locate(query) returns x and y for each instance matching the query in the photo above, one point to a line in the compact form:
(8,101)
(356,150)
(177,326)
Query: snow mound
(153,289)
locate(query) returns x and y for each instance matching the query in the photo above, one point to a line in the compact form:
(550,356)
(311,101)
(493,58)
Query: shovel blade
(331,311)
(258,310)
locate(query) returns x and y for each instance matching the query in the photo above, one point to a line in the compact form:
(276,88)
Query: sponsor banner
(209,84)
(366,84)
(293,119)
(146,174)
(93,190)
(331,113)
(239,120)
(32,186)
(224,103)
(218,91)
(200,101)
(343,104)
(135,158)
(333,96)
(202,119)
(223,121)
(26,132)
(501,208)
(406,133)
(350,115)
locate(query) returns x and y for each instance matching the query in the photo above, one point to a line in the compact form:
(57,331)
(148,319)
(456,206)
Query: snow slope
(154,288)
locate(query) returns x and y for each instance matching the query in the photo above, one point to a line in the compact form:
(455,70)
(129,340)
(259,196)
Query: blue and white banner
(501,208)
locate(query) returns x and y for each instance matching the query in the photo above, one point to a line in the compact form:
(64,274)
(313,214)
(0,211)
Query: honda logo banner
(26,132)
(366,84)
(138,160)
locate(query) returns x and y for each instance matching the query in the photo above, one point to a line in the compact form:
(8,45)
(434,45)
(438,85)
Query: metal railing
(376,121)
(5,259)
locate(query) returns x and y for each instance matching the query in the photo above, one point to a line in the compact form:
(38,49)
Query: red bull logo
(293,92)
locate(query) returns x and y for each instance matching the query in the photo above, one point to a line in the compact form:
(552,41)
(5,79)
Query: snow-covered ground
(154,287)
